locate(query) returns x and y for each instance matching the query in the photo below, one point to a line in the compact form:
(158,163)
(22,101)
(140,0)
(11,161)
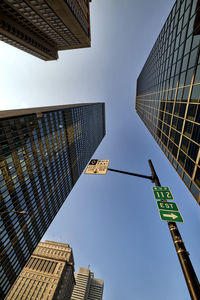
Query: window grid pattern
(39,165)
(80,9)
(14,43)
(96,290)
(168,92)
(87,287)
(43,278)
(44,18)
(35,27)
(14,24)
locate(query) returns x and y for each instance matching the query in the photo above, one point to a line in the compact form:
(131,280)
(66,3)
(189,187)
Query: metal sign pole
(183,255)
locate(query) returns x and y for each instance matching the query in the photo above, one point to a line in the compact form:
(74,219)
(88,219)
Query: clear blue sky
(112,222)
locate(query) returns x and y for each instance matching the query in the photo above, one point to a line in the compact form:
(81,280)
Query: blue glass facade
(42,154)
(168,92)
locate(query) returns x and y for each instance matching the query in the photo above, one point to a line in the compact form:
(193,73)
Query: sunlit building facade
(48,274)
(168,92)
(87,287)
(43,27)
(43,151)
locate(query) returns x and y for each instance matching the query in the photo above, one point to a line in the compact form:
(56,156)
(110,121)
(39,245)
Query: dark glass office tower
(43,27)
(168,92)
(43,151)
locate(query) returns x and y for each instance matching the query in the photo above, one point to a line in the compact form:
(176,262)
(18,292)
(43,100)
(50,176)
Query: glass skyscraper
(168,92)
(43,151)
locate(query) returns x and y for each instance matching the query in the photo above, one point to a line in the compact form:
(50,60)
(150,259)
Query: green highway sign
(167,205)
(169,211)
(162,193)
(169,216)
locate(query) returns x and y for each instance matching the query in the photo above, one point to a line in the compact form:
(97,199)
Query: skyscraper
(87,287)
(43,151)
(168,92)
(42,27)
(49,274)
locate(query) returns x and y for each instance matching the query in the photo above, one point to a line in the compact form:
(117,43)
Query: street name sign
(170,216)
(167,205)
(97,166)
(162,193)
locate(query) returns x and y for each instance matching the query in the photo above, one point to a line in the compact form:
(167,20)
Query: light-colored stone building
(49,274)
(87,287)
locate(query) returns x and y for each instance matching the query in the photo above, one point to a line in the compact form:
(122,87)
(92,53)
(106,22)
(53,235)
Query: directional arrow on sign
(173,216)
(167,215)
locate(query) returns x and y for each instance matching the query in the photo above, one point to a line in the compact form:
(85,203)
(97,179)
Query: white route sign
(97,166)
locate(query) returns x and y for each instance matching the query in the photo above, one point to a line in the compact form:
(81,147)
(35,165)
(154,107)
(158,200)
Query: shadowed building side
(44,27)
(43,151)
(87,287)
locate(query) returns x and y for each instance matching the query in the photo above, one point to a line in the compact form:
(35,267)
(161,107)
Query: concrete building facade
(49,274)
(87,287)
(43,27)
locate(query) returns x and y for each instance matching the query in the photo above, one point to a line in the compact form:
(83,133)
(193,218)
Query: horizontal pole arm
(132,174)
